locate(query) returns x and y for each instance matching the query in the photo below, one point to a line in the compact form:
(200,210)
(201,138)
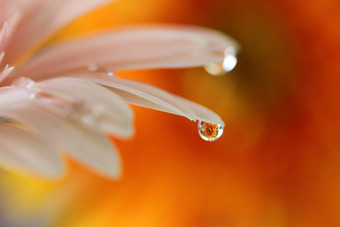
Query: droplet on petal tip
(209,131)
(226,65)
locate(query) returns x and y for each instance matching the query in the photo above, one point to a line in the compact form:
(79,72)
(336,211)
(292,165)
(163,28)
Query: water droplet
(229,62)
(215,69)
(92,67)
(28,84)
(210,131)
(92,117)
(104,72)
(24,82)
(99,70)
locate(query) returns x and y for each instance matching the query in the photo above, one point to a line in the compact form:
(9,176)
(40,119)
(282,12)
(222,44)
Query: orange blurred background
(276,165)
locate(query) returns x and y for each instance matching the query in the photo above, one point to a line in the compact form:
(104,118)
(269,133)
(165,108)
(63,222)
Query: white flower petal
(11,95)
(41,18)
(99,107)
(3,31)
(202,113)
(21,149)
(8,29)
(143,95)
(90,147)
(134,48)
(154,98)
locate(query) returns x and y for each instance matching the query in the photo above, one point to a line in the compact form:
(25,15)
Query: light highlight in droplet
(28,84)
(210,131)
(99,71)
(227,64)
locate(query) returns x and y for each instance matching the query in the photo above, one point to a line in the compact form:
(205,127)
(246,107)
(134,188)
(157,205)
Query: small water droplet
(104,72)
(24,82)
(210,131)
(28,84)
(92,67)
(92,117)
(99,70)
(229,62)
(109,73)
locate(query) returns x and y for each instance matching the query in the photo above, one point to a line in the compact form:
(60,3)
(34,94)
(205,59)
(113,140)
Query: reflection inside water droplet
(210,131)
(229,62)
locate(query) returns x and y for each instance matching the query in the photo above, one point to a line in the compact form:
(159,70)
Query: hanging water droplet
(210,131)
(215,69)
(229,62)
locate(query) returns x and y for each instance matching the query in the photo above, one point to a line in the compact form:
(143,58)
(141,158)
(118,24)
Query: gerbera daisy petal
(88,146)
(143,95)
(41,18)
(89,103)
(134,48)
(8,29)
(154,98)
(11,95)
(21,149)
(202,113)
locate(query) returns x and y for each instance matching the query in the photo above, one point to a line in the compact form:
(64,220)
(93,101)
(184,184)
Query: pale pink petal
(3,31)
(8,29)
(21,149)
(154,98)
(134,48)
(202,113)
(143,95)
(11,95)
(88,146)
(41,18)
(91,104)
(8,7)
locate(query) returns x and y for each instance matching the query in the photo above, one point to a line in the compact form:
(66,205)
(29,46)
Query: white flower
(61,98)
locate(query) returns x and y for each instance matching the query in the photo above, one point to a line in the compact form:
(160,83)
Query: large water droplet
(210,131)
(229,62)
